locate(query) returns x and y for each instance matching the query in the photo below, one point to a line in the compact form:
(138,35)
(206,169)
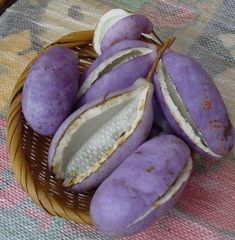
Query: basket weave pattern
(28,150)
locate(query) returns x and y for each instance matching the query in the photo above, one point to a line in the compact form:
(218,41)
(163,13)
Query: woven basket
(28,150)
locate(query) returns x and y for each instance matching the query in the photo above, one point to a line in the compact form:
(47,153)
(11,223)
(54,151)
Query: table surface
(204,30)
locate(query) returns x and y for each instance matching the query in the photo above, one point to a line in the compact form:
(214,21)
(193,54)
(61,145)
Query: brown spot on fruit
(123,181)
(150,169)
(115,42)
(170,172)
(228,130)
(214,124)
(176,141)
(125,37)
(207,105)
(138,152)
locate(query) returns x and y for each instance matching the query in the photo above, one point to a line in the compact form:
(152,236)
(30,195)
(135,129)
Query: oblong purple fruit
(117,25)
(143,187)
(96,138)
(193,105)
(50,89)
(116,69)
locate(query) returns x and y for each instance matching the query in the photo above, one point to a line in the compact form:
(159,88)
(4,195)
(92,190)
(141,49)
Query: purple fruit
(116,69)
(144,187)
(50,89)
(96,138)
(118,25)
(193,105)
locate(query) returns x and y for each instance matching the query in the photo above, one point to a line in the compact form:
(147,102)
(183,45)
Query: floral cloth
(205,30)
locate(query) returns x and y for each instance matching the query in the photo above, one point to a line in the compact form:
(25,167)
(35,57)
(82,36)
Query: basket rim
(19,163)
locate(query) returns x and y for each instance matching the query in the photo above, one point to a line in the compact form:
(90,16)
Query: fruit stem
(150,38)
(165,46)
(157,37)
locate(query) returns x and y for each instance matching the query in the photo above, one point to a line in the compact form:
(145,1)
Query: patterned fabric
(205,30)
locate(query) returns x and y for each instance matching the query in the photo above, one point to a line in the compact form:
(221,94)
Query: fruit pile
(128,124)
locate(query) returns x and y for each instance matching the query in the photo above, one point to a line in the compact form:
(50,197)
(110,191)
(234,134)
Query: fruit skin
(203,101)
(50,89)
(129,27)
(144,177)
(121,77)
(133,142)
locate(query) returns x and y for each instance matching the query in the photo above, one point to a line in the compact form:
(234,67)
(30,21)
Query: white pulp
(104,138)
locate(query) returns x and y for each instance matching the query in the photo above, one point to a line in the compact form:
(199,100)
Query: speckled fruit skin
(136,184)
(133,142)
(121,77)
(203,101)
(129,27)
(50,90)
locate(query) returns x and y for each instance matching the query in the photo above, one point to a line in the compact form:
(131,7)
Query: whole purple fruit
(144,187)
(50,89)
